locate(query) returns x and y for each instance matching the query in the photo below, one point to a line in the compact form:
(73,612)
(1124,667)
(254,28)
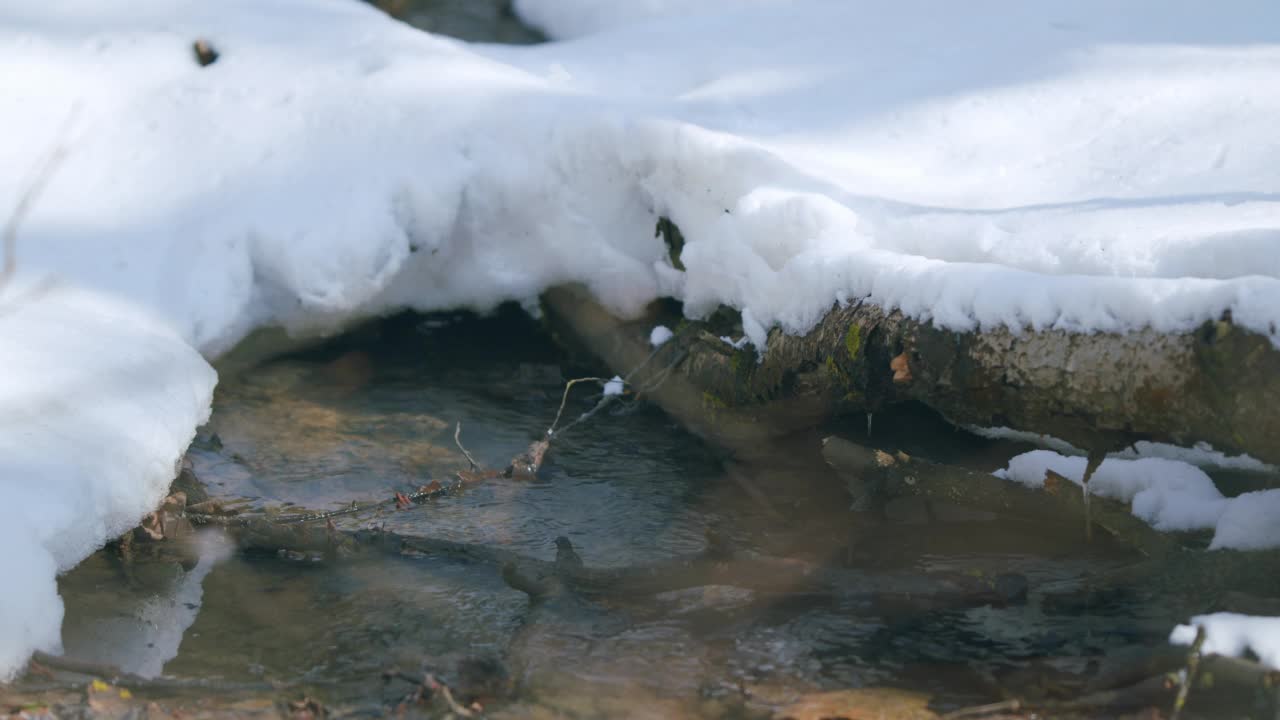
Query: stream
(374,413)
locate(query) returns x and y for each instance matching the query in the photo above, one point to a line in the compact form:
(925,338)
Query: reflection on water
(375,414)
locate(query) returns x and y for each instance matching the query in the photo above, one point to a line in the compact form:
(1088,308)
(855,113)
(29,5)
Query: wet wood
(873,472)
(1101,391)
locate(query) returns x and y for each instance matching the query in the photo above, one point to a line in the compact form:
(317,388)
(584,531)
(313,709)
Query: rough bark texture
(1219,384)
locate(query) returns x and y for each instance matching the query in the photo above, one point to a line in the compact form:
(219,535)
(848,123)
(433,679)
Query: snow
(1067,165)
(1167,494)
(660,335)
(100,401)
(1233,635)
(1201,454)
(614,386)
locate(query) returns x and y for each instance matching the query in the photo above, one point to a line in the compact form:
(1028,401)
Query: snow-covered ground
(1075,164)
(1167,494)
(1234,635)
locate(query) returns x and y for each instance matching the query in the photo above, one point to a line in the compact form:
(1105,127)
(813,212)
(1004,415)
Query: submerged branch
(884,476)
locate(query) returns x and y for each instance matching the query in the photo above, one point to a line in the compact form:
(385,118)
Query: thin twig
(40,178)
(979,710)
(457,439)
(431,490)
(605,402)
(564,399)
(1188,674)
(453,704)
(661,376)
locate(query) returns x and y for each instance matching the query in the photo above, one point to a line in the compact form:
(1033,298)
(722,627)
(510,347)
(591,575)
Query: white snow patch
(660,335)
(99,402)
(1233,634)
(1201,454)
(614,386)
(1167,494)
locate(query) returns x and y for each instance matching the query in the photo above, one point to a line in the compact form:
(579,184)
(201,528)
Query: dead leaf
(526,465)
(860,704)
(901,369)
(206,55)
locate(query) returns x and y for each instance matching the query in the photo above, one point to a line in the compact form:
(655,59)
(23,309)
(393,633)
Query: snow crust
(660,335)
(1167,494)
(614,386)
(1234,635)
(1201,454)
(1072,165)
(99,402)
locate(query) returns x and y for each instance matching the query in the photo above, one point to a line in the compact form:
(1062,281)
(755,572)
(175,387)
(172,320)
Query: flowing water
(375,413)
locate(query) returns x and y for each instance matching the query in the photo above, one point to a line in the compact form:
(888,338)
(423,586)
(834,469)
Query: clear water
(375,414)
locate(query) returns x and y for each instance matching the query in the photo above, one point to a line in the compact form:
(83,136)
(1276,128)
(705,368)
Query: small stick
(39,180)
(1188,674)
(1003,706)
(564,399)
(457,439)
(453,704)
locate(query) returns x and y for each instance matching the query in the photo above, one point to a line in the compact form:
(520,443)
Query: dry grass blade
(35,186)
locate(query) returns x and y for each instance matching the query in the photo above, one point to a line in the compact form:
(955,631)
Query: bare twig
(564,399)
(1188,674)
(980,710)
(448,698)
(457,439)
(35,186)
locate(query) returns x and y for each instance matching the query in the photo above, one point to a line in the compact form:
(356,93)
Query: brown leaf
(901,369)
(151,527)
(860,704)
(526,465)
(205,54)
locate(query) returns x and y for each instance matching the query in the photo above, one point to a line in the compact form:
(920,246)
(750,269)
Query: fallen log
(1100,391)
(870,472)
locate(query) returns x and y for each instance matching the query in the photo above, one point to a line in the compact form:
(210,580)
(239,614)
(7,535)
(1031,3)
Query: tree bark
(1219,384)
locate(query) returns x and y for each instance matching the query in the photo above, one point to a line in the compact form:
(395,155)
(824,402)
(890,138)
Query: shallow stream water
(375,413)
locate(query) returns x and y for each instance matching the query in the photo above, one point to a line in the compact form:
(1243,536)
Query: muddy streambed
(375,413)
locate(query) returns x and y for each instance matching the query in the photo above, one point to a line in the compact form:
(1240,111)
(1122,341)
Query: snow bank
(99,402)
(1167,494)
(1071,165)
(1201,454)
(1047,165)
(1233,634)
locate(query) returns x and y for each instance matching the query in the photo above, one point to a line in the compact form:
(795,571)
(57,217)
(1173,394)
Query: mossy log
(1219,384)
